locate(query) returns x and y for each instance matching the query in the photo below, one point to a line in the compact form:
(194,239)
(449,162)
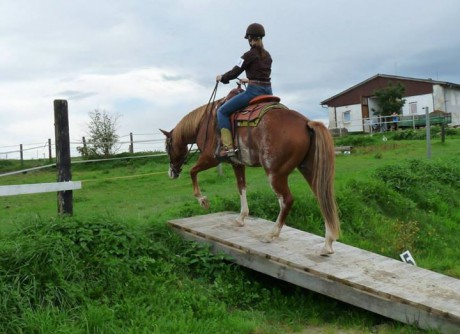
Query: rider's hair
(259,45)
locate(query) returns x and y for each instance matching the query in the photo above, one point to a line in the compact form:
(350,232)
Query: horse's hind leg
(329,239)
(280,186)
(241,182)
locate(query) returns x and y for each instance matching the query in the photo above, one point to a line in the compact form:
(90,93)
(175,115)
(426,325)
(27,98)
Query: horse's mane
(188,125)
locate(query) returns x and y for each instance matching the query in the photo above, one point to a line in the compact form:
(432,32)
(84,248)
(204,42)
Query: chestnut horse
(282,141)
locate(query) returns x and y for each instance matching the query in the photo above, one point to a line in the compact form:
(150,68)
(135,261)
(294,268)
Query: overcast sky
(151,62)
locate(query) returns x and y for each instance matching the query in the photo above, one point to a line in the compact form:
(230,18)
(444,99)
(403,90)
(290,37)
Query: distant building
(354,108)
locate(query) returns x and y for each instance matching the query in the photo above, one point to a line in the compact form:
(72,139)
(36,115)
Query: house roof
(366,88)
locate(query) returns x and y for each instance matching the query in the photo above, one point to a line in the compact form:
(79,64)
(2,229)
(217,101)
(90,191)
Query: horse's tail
(322,175)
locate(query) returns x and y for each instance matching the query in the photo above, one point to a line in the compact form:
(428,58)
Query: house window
(347,116)
(413,108)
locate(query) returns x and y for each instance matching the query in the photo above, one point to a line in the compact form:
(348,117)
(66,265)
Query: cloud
(144,98)
(153,62)
(75,95)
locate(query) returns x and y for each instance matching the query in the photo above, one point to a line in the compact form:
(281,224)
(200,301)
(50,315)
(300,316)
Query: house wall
(439,99)
(452,103)
(422,102)
(332,120)
(355,120)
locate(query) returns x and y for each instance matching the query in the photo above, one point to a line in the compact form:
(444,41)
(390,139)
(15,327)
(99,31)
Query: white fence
(37,188)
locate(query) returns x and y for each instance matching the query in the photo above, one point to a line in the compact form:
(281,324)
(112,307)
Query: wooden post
(428,133)
(131,146)
(443,131)
(50,156)
(84,153)
(61,127)
(21,153)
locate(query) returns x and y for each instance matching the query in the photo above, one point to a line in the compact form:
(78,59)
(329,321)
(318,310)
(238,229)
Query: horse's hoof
(267,238)
(239,222)
(204,202)
(326,251)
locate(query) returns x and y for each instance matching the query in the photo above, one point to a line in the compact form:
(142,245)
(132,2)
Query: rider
(257,64)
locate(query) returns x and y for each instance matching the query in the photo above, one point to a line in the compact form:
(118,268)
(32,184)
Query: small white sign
(407,257)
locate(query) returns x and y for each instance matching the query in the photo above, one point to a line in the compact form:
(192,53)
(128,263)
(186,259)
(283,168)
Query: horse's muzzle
(173,173)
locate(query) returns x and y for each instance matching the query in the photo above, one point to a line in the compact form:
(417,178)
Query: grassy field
(115,266)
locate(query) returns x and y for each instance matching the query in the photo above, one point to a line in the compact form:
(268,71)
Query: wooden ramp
(376,283)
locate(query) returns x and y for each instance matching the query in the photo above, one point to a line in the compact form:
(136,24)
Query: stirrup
(227,153)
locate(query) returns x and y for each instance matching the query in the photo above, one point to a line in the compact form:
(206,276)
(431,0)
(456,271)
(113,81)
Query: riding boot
(226,148)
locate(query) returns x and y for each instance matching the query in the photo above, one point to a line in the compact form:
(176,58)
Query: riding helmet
(255,30)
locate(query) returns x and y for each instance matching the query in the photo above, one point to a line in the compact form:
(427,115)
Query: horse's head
(177,154)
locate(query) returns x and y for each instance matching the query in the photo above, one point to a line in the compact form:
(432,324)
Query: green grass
(115,266)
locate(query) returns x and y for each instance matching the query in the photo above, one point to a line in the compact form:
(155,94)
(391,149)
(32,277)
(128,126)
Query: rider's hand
(219,78)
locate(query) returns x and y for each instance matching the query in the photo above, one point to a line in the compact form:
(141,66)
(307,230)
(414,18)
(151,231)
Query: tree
(102,134)
(390,99)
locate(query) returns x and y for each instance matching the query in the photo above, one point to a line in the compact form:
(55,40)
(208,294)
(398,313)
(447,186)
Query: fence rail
(37,188)
(136,143)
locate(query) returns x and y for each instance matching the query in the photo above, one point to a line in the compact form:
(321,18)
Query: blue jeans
(239,102)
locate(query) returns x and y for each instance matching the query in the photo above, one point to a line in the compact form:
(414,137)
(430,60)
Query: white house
(354,108)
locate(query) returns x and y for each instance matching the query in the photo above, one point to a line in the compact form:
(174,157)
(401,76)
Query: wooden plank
(37,188)
(382,285)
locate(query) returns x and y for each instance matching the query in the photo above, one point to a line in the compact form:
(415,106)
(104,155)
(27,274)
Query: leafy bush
(410,134)
(432,185)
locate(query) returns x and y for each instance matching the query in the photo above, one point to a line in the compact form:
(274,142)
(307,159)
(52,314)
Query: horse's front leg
(198,167)
(241,183)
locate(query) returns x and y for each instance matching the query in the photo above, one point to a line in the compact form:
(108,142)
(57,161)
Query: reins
(208,112)
(209,107)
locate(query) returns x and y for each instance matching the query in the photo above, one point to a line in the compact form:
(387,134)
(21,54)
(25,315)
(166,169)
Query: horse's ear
(166,133)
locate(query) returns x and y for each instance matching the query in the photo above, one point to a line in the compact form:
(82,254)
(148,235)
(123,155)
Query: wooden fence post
(21,153)
(84,153)
(50,156)
(428,132)
(443,131)
(131,146)
(61,127)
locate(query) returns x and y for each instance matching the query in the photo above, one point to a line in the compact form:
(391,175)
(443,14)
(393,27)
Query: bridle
(173,167)
(183,161)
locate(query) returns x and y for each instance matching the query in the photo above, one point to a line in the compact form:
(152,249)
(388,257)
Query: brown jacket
(258,67)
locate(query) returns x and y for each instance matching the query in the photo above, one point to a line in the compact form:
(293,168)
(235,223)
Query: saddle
(253,113)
